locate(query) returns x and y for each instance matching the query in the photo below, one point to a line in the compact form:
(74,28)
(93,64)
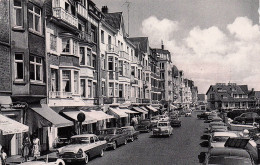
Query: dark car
(145,126)
(175,122)
(203,115)
(113,136)
(132,133)
(248,117)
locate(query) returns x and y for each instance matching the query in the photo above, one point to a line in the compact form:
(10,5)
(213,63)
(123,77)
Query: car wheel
(101,153)
(86,159)
(132,138)
(114,145)
(125,142)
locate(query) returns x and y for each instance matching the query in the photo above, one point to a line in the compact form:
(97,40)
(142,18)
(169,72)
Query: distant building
(229,96)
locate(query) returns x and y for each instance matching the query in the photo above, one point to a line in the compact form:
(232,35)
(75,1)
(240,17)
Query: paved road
(181,148)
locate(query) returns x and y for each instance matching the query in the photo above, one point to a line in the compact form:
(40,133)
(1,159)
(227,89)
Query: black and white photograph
(129,82)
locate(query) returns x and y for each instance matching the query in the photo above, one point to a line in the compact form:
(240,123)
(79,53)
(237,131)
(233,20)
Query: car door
(120,136)
(91,150)
(98,146)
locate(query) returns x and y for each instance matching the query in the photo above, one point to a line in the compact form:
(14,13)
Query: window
(66,45)
(34,17)
(120,68)
(82,55)
(18,14)
(66,81)
(76,82)
(75,48)
(103,88)
(89,57)
(161,65)
(94,61)
(102,36)
(120,90)
(147,77)
(103,62)
(54,80)
(94,89)
(212,96)
(83,88)
(89,89)
(161,75)
(19,67)
(36,68)
(93,34)
(110,63)
(53,42)
(111,89)
(116,90)
(109,39)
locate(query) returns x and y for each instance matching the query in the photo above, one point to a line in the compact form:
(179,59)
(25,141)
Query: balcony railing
(120,100)
(60,94)
(82,11)
(62,14)
(123,54)
(112,49)
(85,37)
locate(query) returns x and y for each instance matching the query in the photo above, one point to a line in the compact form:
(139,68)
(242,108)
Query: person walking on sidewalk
(26,147)
(36,147)
(4,156)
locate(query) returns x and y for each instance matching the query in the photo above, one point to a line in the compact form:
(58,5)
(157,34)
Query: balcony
(60,94)
(112,49)
(120,100)
(124,55)
(63,15)
(82,11)
(146,100)
(83,36)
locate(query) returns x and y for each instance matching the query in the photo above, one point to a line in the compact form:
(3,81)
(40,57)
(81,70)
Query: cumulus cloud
(211,55)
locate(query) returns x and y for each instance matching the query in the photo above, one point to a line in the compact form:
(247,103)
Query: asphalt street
(181,148)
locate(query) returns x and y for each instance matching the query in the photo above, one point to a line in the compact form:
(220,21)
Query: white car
(219,139)
(163,128)
(45,162)
(81,148)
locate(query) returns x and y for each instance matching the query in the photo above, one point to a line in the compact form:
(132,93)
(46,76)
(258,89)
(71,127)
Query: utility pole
(127,3)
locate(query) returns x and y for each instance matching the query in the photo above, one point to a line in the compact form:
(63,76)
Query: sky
(212,41)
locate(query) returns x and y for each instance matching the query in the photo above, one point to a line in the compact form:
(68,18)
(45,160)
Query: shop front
(121,118)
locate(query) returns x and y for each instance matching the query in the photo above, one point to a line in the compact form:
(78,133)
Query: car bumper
(160,133)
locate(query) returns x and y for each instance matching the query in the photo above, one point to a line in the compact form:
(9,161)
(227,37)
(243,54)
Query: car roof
(83,135)
(225,151)
(230,134)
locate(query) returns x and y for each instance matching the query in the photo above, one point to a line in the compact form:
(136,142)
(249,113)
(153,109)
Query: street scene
(129,82)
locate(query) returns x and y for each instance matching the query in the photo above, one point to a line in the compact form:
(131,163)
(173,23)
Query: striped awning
(152,108)
(140,110)
(118,112)
(127,110)
(9,126)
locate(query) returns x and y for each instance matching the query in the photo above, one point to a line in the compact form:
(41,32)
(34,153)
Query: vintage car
(187,114)
(113,136)
(175,122)
(203,115)
(132,133)
(246,118)
(218,139)
(81,148)
(216,128)
(163,128)
(234,152)
(213,119)
(45,160)
(145,126)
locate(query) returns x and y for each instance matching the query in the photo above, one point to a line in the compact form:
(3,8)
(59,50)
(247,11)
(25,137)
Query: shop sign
(19,105)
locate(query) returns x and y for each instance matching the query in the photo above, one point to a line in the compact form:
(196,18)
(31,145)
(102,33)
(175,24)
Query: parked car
(113,136)
(187,114)
(154,120)
(45,161)
(214,119)
(145,126)
(218,139)
(163,128)
(132,133)
(216,128)
(175,122)
(248,117)
(60,142)
(219,123)
(81,148)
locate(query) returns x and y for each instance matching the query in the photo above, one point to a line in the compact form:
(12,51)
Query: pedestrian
(26,147)
(36,147)
(4,156)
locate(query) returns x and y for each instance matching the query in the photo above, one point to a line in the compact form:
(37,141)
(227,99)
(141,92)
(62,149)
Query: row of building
(62,57)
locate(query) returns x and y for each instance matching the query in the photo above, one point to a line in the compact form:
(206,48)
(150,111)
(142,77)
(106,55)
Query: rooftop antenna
(127,3)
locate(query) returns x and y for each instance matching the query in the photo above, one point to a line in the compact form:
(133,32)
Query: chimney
(104,9)
(162,45)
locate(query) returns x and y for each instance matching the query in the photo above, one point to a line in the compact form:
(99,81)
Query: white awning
(98,115)
(74,114)
(127,110)
(140,110)
(118,112)
(9,126)
(145,109)
(152,108)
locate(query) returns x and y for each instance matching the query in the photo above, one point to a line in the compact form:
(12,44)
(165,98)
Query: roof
(229,134)
(114,19)
(229,152)
(143,43)
(83,135)
(244,88)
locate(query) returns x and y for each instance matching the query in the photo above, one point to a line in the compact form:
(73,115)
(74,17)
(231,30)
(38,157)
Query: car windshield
(220,138)
(107,132)
(229,160)
(79,140)
(162,124)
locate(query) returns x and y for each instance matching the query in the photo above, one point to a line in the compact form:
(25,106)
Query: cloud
(211,55)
